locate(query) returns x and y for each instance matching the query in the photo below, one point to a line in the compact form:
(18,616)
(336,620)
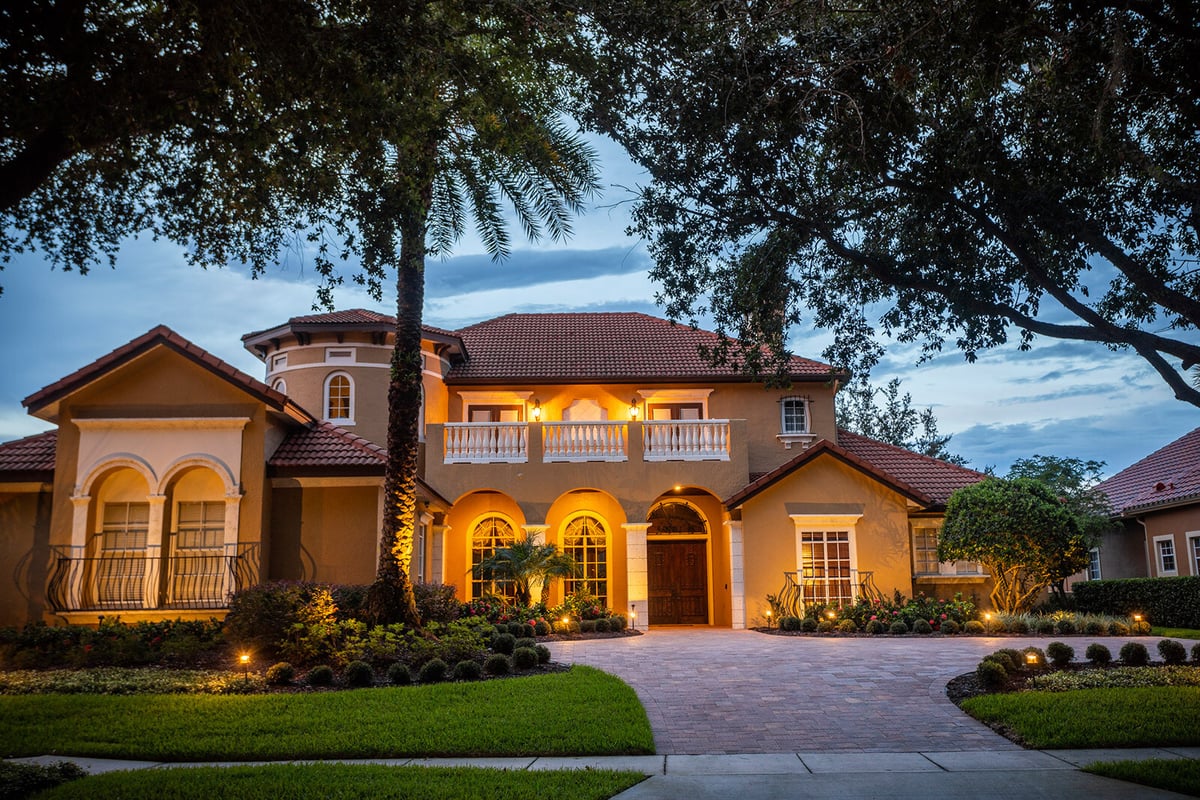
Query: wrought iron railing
(800,589)
(141,581)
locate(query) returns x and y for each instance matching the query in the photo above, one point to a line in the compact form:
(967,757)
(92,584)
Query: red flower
(943,616)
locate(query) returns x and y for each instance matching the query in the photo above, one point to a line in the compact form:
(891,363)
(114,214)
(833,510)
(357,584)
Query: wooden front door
(678,582)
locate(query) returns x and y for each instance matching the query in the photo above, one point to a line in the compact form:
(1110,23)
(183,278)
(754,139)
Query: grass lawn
(1176,633)
(320,781)
(1174,775)
(1126,717)
(579,712)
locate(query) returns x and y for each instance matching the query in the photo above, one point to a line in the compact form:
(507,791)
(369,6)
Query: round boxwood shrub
(1140,627)
(358,673)
(1135,654)
(543,653)
(1066,626)
(587,626)
(1098,654)
(922,626)
(504,644)
(789,623)
(1033,657)
(1015,658)
(280,674)
(541,628)
(1171,651)
(991,674)
(434,671)
(1094,628)
(825,626)
(398,674)
(496,664)
(974,627)
(1060,653)
(1118,629)
(1196,653)
(847,626)
(527,631)
(524,641)
(468,671)
(1002,658)
(1045,626)
(515,628)
(1019,625)
(617,623)
(949,627)
(808,624)
(875,627)
(898,627)
(320,675)
(525,658)
(601,626)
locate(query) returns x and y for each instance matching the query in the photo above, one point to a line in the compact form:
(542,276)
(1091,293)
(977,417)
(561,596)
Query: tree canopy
(958,172)
(1020,531)
(894,421)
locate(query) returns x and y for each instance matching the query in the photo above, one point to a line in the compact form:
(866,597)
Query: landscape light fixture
(768,617)
(245,659)
(633,616)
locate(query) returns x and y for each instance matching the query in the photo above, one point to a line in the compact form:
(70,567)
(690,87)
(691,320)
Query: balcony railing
(142,581)
(685,440)
(486,442)
(585,441)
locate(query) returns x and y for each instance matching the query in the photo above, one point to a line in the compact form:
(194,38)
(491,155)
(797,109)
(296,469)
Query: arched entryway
(678,560)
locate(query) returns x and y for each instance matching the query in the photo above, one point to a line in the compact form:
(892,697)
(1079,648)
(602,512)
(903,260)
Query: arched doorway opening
(677,564)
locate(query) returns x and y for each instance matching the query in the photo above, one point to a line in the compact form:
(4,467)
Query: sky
(1061,398)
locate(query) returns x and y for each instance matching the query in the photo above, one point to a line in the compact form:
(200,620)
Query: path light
(245,659)
(768,617)
(633,616)
(1137,617)
(1031,658)
(831,614)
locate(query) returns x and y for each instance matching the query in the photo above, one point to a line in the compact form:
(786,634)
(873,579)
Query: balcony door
(677,575)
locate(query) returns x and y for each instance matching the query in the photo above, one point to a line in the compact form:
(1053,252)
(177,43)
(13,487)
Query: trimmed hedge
(1167,602)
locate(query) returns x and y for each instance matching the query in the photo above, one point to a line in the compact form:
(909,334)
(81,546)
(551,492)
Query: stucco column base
(635,573)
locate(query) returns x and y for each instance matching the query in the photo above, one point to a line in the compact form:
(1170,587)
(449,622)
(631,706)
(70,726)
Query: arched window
(490,534)
(793,415)
(586,541)
(676,518)
(280,386)
(339,398)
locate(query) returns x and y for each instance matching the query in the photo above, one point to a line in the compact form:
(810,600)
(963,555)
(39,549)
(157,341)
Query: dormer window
(794,422)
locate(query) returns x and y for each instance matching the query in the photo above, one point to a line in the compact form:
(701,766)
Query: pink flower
(873,616)
(943,616)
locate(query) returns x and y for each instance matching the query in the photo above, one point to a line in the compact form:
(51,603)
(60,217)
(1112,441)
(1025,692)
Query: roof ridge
(911,453)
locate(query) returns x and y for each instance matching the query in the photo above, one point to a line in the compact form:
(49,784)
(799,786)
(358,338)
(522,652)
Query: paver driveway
(710,690)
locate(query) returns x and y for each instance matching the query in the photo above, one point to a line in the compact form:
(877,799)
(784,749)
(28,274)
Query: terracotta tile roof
(30,457)
(612,346)
(1168,476)
(345,317)
(938,479)
(924,480)
(165,337)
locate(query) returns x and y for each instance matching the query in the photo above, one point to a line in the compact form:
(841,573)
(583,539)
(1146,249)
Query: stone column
(635,572)
(73,597)
(737,580)
(152,576)
(536,533)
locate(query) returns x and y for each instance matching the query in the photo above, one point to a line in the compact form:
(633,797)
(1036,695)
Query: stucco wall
(1176,523)
(24,552)
(324,534)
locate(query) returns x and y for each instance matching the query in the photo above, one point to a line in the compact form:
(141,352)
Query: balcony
(575,442)
(138,582)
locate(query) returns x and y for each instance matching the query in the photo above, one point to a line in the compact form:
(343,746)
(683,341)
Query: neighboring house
(1157,501)
(685,490)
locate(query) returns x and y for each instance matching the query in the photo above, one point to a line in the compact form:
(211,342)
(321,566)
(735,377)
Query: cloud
(476,273)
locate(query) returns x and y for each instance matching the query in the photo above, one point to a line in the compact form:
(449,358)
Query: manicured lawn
(1176,633)
(1127,717)
(320,781)
(579,712)
(1174,775)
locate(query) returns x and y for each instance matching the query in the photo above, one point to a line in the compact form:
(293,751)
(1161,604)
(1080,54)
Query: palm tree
(524,563)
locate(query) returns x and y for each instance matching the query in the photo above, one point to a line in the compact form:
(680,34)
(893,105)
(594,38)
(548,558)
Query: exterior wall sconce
(536,412)
(633,409)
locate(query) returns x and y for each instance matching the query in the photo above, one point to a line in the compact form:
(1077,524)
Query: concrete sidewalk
(756,776)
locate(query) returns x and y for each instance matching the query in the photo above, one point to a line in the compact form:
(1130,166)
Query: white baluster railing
(685,440)
(486,442)
(584,441)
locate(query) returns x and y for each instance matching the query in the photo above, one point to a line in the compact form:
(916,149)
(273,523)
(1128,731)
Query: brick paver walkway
(709,690)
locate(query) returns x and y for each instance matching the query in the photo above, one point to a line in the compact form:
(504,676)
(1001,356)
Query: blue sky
(1061,398)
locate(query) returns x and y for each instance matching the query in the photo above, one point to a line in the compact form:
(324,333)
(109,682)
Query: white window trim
(829,523)
(279,385)
(1158,561)
(278,362)
(946,569)
(492,398)
(671,396)
(804,437)
(1192,539)
(1099,565)
(348,421)
(352,358)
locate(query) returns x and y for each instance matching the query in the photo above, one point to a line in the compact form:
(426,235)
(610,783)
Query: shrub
(543,653)
(261,617)
(1066,626)
(898,627)
(1060,653)
(974,628)
(922,626)
(541,628)
(991,674)
(808,624)
(468,671)
(1015,657)
(399,675)
(1140,626)
(496,664)
(618,623)
(789,623)
(1045,626)
(525,658)
(1098,654)
(434,671)
(587,626)
(825,626)
(527,631)
(875,627)
(1020,625)
(847,626)
(600,626)
(1118,629)
(1094,627)
(350,601)
(528,641)
(949,627)
(320,675)
(1171,602)
(25,780)
(358,673)
(1171,651)
(1134,654)
(1005,660)
(1196,653)
(504,644)
(1033,657)
(517,629)
(280,674)
(436,602)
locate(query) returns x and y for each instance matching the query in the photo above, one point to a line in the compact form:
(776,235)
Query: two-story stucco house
(686,491)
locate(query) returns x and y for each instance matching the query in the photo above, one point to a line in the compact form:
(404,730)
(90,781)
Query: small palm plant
(525,562)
